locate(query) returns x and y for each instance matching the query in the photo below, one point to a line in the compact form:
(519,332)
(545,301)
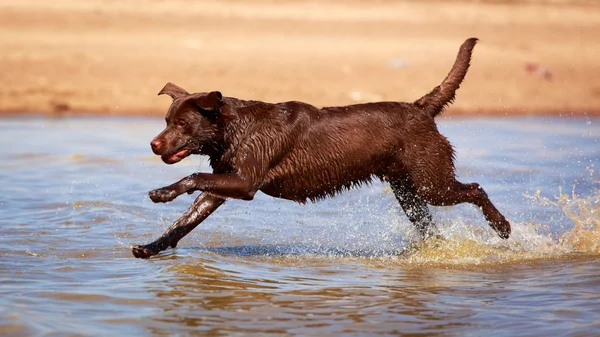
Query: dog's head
(191,124)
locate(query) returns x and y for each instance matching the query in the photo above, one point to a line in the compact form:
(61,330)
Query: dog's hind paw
(162,195)
(502,228)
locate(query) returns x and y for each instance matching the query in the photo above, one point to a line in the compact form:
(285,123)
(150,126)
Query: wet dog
(298,152)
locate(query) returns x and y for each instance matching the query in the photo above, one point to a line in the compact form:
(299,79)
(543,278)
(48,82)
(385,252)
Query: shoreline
(449,113)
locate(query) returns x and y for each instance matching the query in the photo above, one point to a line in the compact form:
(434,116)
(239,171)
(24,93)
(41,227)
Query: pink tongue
(180,153)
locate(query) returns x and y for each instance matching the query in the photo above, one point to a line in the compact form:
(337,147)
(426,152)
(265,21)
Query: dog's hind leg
(414,206)
(456,193)
(200,209)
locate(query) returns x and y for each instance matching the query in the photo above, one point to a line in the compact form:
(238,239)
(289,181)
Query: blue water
(74,199)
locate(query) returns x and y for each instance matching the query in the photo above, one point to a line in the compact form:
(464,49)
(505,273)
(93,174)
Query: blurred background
(112,57)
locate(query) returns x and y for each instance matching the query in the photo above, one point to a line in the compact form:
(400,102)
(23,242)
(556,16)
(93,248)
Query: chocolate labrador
(298,152)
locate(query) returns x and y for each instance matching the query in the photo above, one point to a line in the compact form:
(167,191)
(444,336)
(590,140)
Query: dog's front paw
(163,195)
(144,252)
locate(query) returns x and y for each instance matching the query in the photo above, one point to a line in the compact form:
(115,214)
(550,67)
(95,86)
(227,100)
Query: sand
(112,57)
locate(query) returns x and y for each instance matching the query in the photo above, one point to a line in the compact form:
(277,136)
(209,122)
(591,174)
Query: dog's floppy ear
(211,102)
(173,90)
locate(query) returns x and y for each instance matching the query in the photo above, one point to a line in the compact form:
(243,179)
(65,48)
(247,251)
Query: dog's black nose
(155,145)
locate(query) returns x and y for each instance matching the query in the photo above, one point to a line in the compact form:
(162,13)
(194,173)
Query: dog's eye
(180,123)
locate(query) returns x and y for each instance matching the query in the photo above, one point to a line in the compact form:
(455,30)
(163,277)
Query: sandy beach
(110,57)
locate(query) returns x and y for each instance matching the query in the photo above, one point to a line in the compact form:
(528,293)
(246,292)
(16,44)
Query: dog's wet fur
(298,152)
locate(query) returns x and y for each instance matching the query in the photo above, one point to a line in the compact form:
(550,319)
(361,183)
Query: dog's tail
(443,95)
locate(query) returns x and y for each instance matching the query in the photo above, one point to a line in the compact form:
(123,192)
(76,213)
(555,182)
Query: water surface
(74,199)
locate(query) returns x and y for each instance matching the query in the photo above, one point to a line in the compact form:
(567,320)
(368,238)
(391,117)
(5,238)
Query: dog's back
(337,148)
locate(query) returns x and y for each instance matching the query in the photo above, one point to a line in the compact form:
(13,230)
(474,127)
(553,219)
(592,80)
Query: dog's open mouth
(175,157)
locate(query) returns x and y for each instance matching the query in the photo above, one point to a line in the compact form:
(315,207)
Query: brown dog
(298,152)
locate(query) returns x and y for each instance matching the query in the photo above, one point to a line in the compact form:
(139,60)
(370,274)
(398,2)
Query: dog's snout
(155,144)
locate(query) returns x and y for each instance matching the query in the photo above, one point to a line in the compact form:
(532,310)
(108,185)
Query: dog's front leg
(169,193)
(202,207)
(226,185)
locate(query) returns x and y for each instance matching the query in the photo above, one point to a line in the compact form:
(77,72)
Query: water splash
(584,237)
(466,244)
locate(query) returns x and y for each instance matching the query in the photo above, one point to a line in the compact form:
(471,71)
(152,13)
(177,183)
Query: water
(74,199)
